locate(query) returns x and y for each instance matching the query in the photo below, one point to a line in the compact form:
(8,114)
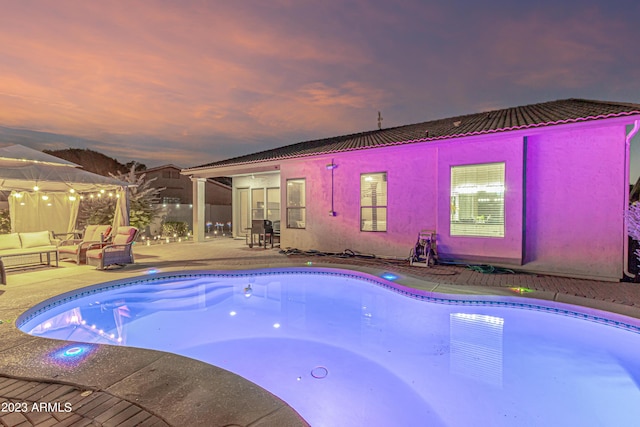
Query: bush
(143,199)
(175,228)
(5,221)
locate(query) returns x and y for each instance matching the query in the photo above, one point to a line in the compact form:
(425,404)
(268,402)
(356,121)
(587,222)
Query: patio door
(242,213)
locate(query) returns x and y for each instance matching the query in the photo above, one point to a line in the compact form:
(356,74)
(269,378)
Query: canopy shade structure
(24,170)
(23,177)
(26,154)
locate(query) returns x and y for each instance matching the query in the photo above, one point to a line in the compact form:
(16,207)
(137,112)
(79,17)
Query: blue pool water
(349,349)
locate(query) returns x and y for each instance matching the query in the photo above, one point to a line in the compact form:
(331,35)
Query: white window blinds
(373,202)
(477,200)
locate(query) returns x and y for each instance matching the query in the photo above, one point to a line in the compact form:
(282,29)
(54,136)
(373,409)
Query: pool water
(348,349)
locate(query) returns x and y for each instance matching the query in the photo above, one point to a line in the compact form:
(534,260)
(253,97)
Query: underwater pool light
(71,355)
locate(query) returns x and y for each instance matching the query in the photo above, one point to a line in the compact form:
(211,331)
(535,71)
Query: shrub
(143,199)
(633,224)
(5,221)
(177,228)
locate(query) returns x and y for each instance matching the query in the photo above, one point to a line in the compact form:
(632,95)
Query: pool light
(389,276)
(73,351)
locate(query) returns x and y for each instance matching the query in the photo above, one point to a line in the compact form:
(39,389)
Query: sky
(194,81)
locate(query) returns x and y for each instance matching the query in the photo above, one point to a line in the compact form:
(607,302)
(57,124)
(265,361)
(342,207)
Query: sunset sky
(191,82)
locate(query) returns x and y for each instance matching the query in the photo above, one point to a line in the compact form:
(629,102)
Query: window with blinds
(477,200)
(296,203)
(373,202)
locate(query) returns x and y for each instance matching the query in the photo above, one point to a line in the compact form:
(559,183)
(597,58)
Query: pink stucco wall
(570,204)
(412,203)
(489,149)
(575,201)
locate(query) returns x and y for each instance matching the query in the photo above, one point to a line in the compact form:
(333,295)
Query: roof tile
(535,115)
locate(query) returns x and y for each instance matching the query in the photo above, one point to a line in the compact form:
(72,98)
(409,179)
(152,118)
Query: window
(477,200)
(373,202)
(296,202)
(257,203)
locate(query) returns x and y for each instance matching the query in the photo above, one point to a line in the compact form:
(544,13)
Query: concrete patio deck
(129,386)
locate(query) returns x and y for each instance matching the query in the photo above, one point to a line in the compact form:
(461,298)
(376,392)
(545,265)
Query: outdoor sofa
(28,248)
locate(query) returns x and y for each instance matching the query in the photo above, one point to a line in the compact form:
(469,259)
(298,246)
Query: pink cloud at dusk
(195,81)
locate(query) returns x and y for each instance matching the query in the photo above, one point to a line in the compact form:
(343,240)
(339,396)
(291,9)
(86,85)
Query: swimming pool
(345,348)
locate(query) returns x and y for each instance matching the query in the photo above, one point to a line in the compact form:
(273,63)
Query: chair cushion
(68,249)
(35,239)
(10,241)
(124,235)
(89,231)
(94,253)
(92,232)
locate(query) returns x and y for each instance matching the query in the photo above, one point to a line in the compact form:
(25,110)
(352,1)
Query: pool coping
(555,307)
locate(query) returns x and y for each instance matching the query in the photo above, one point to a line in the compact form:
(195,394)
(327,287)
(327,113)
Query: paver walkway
(624,293)
(38,403)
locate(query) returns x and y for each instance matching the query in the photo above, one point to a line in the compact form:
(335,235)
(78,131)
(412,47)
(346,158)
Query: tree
(143,202)
(138,166)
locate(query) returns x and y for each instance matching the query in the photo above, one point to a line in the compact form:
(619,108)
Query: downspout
(627,156)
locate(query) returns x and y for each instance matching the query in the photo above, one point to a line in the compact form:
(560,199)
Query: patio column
(198,209)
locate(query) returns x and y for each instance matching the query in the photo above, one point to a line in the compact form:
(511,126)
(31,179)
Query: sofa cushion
(10,241)
(35,239)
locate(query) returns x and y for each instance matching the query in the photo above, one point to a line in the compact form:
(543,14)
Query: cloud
(195,79)
(571,51)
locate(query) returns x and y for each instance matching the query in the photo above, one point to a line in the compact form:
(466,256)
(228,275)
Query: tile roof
(523,117)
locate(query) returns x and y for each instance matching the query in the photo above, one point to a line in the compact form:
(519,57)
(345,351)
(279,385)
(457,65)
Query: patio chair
(118,252)
(75,249)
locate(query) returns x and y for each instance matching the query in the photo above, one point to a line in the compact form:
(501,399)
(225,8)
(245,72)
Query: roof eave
(272,164)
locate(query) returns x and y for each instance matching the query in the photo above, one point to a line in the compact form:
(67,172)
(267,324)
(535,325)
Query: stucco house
(540,188)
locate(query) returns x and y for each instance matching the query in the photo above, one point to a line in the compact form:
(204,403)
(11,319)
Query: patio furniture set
(99,247)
